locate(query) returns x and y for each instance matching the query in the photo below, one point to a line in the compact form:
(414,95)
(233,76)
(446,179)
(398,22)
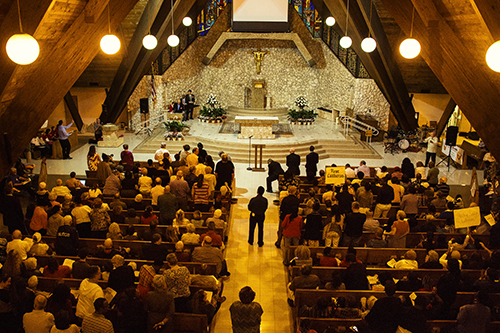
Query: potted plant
(212,111)
(301,116)
(174,130)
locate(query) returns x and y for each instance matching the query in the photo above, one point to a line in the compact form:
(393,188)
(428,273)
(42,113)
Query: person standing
(293,162)
(257,208)
(245,313)
(189,100)
(353,226)
(274,172)
(127,158)
(432,147)
(63,139)
(312,160)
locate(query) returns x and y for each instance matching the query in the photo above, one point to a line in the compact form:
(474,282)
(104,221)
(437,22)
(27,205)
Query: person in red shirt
(216,239)
(53,270)
(292,231)
(328,259)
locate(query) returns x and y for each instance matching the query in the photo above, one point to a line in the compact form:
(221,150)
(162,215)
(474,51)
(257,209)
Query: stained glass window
(209,15)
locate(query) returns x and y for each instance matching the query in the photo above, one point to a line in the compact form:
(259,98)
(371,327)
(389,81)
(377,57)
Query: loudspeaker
(451,135)
(144,105)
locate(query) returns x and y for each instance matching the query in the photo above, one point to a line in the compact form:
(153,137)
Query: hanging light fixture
(493,56)
(346,41)
(110,44)
(369,44)
(187,21)
(410,47)
(172,40)
(149,41)
(22,48)
(330,21)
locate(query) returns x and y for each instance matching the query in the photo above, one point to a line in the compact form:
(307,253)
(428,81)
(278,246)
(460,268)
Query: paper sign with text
(467,217)
(335,175)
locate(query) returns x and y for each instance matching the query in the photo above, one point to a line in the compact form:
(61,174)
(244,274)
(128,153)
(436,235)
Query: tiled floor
(259,268)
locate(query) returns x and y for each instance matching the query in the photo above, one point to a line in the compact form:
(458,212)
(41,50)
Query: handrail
(150,124)
(349,121)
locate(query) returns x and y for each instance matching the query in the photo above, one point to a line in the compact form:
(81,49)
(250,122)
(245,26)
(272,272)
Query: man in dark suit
(189,100)
(293,162)
(178,107)
(275,170)
(312,160)
(257,208)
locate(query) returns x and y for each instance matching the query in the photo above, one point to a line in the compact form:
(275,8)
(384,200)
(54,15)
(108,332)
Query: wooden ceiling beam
(427,12)
(134,48)
(488,13)
(32,14)
(161,28)
(468,80)
(443,121)
(40,87)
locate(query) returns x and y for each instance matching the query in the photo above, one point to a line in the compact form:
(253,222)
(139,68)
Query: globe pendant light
(22,48)
(330,21)
(172,40)
(410,47)
(346,41)
(149,41)
(369,44)
(493,56)
(110,44)
(187,21)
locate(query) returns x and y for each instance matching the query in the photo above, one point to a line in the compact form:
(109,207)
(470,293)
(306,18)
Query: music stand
(448,159)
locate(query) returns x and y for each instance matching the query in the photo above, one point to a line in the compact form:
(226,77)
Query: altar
(257,127)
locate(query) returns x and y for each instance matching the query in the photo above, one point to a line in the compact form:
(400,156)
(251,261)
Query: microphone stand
(249,152)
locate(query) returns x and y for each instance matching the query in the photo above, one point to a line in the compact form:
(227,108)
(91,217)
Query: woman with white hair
(160,306)
(190,237)
(145,183)
(114,231)
(219,223)
(178,280)
(400,228)
(122,276)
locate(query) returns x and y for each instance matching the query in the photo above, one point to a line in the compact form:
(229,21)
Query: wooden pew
(141,228)
(135,246)
(188,215)
(194,267)
(311,296)
(413,238)
(325,273)
(321,324)
(375,256)
(189,323)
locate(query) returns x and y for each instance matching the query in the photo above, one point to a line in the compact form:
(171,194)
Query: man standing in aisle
(432,147)
(257,208)
(189,100)
(293,162)
(63,139)
(312,160)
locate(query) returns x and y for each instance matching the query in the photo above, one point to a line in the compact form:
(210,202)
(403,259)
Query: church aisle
(259,268)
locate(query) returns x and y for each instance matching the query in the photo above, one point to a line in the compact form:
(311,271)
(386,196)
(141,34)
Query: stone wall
(287,75)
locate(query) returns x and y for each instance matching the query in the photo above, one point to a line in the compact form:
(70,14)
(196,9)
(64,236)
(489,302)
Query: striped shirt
(200,195)
(97,323)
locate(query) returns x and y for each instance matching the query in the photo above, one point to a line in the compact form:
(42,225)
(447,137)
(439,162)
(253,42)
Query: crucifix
(258,56)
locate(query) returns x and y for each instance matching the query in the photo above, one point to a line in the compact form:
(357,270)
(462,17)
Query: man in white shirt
(21,246)
(192,159)
(432,147)
(349,172)
(160,152)
(363,168)
(89,292)
(60,189)
(38,321)
(63,136)
(156,192)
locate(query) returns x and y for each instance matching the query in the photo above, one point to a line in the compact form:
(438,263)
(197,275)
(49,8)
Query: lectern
(258,156)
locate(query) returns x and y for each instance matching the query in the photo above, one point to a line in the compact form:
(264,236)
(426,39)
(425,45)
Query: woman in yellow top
(93,159)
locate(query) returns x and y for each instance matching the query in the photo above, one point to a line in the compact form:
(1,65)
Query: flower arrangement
(301,102)
(174,130)
(212,111)
(301,116)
